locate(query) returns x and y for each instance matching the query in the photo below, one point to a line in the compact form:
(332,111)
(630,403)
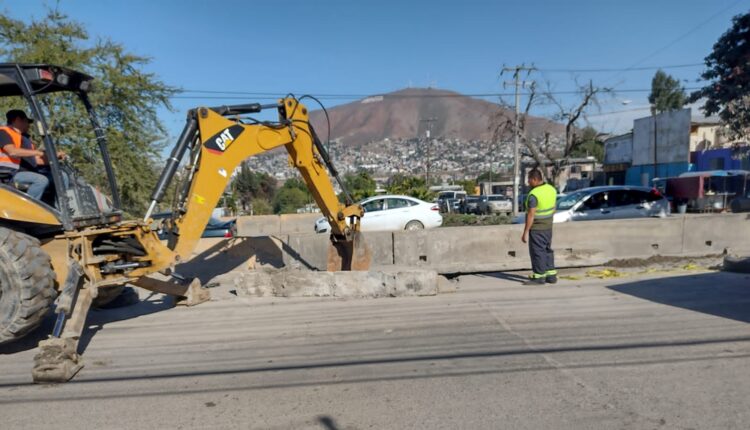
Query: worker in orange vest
(14,146)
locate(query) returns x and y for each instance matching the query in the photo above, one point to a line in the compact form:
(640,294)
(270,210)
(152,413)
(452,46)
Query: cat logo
(224,139)
(219,142)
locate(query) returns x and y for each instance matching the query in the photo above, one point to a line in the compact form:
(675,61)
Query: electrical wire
(328,119)
(409,96)
(274,95)
(629,69)
(679,38)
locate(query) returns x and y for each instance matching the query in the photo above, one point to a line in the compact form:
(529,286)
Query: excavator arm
(218,140)
(215,140)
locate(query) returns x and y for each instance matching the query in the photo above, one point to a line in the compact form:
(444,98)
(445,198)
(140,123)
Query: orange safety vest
(5,159)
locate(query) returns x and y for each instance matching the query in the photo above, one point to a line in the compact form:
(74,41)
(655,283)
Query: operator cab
(57,98)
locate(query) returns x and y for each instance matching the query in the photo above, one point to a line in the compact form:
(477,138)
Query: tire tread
(33,282)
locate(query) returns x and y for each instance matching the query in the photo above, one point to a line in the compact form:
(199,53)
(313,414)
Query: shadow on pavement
(448,357)
(327,423)
(720,294)
(221,257)
(229,254)
(506,276)
(96,320)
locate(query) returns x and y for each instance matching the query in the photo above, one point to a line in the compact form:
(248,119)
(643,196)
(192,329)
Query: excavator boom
(218,140)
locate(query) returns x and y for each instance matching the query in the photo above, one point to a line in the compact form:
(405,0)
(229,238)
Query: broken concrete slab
(355,284)
(448,285)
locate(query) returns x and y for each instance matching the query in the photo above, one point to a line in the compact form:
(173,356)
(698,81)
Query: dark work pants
(542,256)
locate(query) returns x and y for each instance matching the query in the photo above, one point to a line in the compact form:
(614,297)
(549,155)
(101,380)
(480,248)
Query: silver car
(609,202)
(494,203)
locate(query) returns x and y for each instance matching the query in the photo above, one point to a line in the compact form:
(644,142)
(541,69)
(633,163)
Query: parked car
(494,204)
(214,228)
(609,202)
(393,212)
(219,228)
(471,205)
(450,201)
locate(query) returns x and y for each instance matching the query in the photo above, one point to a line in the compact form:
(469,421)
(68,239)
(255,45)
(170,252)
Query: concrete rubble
(288,282)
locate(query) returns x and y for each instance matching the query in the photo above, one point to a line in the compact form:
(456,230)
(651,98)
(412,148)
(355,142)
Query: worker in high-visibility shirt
(540,210)
(19,157)
(12,150)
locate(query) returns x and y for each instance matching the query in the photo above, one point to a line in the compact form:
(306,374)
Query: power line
(679,38)
(627,69)
(274,95)
(239,95)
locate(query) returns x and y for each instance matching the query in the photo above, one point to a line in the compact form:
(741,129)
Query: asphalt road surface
(631,353)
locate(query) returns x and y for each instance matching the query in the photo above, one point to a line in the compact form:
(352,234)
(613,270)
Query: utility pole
(428,134)
(656,163)
(518,84)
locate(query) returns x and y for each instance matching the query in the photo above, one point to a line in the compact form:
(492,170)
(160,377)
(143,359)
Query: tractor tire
(116,297)
(27,284)
(107,295)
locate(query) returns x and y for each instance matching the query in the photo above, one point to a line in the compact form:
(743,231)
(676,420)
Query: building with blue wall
(669,144)
(737,158)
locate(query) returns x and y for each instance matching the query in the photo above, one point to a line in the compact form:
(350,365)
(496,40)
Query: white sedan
(393,212)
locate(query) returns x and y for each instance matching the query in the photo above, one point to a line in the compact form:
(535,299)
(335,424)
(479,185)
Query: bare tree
(544,144)
(503,125)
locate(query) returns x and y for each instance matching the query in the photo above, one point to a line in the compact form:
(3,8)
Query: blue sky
(360,47)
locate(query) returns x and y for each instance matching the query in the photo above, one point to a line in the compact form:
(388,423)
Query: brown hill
(397,115)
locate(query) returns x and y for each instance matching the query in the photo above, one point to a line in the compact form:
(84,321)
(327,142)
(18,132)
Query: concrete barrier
(271,225)
(715,234)
(495,248)
(258,225)
(298,223)
(311,250)
(596,242)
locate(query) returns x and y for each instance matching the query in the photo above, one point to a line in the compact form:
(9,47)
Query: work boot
(551,279)
(533,281)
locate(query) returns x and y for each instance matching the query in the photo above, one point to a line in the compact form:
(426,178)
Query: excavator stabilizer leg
(349,255)
(57,361)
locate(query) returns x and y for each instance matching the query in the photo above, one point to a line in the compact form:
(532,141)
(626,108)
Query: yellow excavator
(74,248)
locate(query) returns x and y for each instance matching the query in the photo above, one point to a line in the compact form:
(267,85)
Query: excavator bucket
(349,255)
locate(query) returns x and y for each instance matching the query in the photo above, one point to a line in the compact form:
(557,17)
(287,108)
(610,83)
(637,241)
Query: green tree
(468,184)
(295,183)
(590,145)
(229,202)
(126,98)
(291,196)
(360,185)
(413,186)
(666,93)
(288,200)
(488,177)
(262,207)
(728,72)
(251,186)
